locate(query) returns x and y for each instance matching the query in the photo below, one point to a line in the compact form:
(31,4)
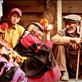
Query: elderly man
(68,39)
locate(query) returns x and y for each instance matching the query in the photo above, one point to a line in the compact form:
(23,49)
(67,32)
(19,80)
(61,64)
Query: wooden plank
(25,2)
(25,6)
(28,8)
(72,6)
(72,80)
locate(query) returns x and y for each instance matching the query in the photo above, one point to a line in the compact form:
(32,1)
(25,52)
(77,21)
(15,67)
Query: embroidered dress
(37,67)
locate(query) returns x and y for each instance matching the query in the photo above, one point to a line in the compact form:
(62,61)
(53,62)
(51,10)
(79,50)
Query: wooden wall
(33,10)
(71,7)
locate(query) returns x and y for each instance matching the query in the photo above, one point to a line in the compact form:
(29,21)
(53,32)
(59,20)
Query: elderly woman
(40,65)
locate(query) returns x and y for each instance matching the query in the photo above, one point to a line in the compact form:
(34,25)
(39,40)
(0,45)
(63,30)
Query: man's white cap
(72,17)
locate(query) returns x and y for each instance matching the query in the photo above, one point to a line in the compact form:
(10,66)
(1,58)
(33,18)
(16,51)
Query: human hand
(75,46)
(18,59)
(74,42)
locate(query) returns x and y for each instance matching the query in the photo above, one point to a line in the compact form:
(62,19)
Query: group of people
(34,55)
(39,58)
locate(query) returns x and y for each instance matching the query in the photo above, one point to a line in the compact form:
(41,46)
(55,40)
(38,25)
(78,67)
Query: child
(10,71)
(12,30)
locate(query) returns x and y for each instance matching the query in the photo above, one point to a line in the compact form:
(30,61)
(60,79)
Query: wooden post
(1,8)
(78,63)
(59,14)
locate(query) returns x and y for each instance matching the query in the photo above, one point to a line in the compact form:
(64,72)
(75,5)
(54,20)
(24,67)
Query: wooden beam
(25,6)
(59,14)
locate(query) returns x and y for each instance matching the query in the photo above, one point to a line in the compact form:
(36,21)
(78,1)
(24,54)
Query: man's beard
(72,34)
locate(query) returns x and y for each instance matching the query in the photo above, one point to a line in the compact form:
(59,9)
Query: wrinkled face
(38,32)
(71,27)
(14,18)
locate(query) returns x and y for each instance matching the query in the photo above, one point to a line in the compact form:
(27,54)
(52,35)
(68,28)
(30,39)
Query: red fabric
(4,26)
(50,76)
(48,43)
(30,40)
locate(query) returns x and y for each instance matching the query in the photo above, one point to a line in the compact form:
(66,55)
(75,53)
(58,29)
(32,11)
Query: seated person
(9,70)
(37,50)
(11,30)
(68,38)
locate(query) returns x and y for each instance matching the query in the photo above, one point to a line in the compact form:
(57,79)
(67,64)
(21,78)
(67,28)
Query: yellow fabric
(12,35)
